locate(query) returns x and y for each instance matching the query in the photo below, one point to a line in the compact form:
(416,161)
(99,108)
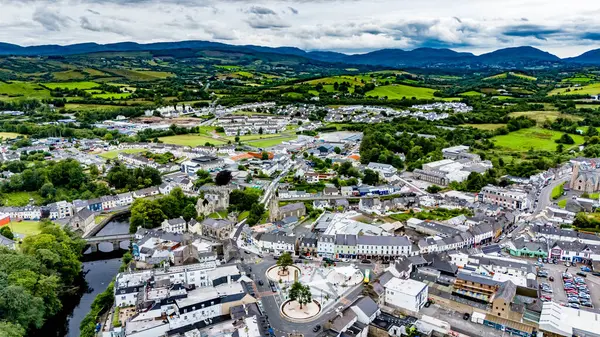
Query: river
(99,274)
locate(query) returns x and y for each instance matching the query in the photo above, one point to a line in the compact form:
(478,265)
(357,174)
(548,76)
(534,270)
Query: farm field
(489,127)
(90,107)
(399,91)
(25,228)
(532,138)
(16,90)
(590,89)
(263,143)
(20,198)
(71,85)
(9,135)
(114,153)
(577,79)
(190,140)
(470,93)
(140,75)
(505,75)
(542,116)
(112,95)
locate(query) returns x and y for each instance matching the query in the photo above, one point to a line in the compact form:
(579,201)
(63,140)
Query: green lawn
(114,153)
(557,191)
(90,107)
(218,215)
(399,91)
(20,198)
(190,140)
(577,79)
(532,138)
(488,127)
(17,90)
(83,85)
(25,227)
(270,142)
(562,203)
(243,215)
(590,89)
(246,138)
(471,93)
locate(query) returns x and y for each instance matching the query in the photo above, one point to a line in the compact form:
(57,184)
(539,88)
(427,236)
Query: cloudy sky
(351,26)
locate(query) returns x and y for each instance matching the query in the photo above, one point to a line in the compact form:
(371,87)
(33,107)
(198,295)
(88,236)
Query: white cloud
(343,25)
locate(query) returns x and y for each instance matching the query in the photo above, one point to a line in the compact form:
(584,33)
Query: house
(82,219)
(342,204)
(276,243)
(383,247)
(8,243)
(217,228)
(586,179)
(321,204)
(331,191)
(166,188)
(407,294)
(109,202)
(386,171)
(213,201)
(124,199)
(95,205)
(345,246)
(296,209)
(326,246)
(205,163)
(60,210)
(307,245)
(146,192)
(366,310)
(521,247)
(177,225)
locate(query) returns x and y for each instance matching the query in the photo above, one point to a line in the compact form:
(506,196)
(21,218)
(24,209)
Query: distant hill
(518,57)
(589,57)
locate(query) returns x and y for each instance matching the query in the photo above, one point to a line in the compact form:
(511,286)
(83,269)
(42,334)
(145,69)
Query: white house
(124,199)
(407,294)
(176,225)
(109,202)
(326,246)
(366,310)
(383,246)
(276,243)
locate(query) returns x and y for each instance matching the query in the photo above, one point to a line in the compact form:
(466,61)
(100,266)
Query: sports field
(191,140)
(25,227)
(590,89)
(399,91)
(9,135)
(114,153)
(532,138)
(263,143)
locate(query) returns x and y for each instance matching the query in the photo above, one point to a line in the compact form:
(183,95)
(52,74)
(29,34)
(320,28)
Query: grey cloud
(293,10)
(93,12)
(258,10)
(591,36)
(529,30)
(111,27)
(266,24)
(51,21)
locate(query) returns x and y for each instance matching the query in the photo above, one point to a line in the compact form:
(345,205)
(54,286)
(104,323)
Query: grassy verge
(558,191)
(562,203)
(114,153)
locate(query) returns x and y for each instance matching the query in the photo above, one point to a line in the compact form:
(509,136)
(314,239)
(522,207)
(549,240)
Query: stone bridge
(108,243)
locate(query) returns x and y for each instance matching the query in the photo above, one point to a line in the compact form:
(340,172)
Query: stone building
(585,179)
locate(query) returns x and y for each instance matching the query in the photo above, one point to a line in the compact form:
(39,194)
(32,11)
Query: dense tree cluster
(148,213)
(34,278)
(122,177)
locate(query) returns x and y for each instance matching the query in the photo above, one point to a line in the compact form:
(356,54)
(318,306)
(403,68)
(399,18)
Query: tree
(591,131)
(560,148)
(203,178)
(19,306)
(284,261)
(305,296)
(371,177)
(337,150)
(223,178)
(94,171)
(265,155)
(433,189)
(411,330)
(295,290)
(237,139)
(8,329)
(565,139)
(256,212)
(6,232)
(189,212)
(145,213)
(260,130)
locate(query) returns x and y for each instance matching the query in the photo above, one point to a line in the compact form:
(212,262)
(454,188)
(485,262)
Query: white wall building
(407,294)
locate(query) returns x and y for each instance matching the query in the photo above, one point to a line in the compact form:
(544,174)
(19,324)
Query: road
(545,194)
(271,302)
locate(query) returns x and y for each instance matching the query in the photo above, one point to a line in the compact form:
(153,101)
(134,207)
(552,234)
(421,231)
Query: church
(585,179)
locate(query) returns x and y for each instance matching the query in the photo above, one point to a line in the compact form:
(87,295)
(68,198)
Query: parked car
(574,305)
(316,328)
(596,273)
(585,268)
(365,261)
(581,274)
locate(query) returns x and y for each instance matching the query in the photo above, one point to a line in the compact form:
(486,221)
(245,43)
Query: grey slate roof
(383,240)
(367,305)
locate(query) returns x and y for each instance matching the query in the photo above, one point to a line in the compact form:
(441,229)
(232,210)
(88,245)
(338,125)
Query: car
(582,274)
(585,296)
(247,252)
(567,264)
(547,290)
(316,328)
(546,297)
(587,269)
(261,283)
(555,261)
(539,259)
(365,261)
(574,305)
(545,260)
(466,316)
(543,299)
(596,273)
(573,300)
(260,256)
(587,304)
(297,261)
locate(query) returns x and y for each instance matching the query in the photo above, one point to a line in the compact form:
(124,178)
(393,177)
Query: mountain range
(518,57)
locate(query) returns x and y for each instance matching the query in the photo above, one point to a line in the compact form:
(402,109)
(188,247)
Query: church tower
(274,208)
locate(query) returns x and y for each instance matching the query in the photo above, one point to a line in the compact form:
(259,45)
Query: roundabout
(292,310)
(276,274)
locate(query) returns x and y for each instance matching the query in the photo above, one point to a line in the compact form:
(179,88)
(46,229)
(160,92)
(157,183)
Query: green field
(246,138)
(399,91)
(488,127)
(9,135)
(505,75)
(590,89)
(25,227)
(577,79)
(121,95)
(562,203)
(90,107)
(16,90)
(532,138)
(270,142)
(542,116)
(20,198)
(190,140)
(71,85)
(140,75)
(114,153)
(470,93)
